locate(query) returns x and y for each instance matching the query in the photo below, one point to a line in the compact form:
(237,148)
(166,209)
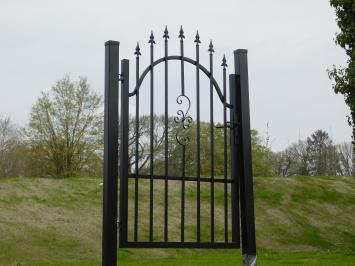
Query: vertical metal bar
(198,159)
(166,163)
(246,178)
(225,158)
(109,228)
(235,175)
(151,195)
(124,127)
(181,36)
(211,50)
(183,196)
(137,53)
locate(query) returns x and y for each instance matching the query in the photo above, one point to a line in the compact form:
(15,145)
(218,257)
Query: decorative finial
(181,35)
(166,33)
(151,38)
(224,61)
(197,38)
(137,52)
(210,49)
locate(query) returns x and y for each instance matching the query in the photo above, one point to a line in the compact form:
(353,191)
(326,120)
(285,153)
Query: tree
(12,157)
(144,141)
(262,156)
(294,160)
(287,162)
(346,158)
(322,155)
(344,77)
(65,129)
(316,156)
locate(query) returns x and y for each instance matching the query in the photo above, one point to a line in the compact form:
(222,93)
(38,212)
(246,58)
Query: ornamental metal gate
(236,181)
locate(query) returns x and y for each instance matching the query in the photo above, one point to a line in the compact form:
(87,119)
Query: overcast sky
(290,45)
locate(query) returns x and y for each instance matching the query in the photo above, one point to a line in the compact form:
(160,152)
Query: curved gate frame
(241,167)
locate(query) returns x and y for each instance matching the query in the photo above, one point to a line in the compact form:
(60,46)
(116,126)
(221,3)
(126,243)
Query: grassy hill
(299,220)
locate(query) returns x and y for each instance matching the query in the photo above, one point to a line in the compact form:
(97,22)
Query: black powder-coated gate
(239,185)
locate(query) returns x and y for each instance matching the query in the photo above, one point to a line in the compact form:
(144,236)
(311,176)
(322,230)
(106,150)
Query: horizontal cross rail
(189,60)
(180,178)
(223,245)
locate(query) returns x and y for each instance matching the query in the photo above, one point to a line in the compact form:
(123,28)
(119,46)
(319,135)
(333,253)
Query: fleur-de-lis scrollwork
(184,119)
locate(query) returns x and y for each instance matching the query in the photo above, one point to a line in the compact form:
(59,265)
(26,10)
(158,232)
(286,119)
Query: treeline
(315,156)
(64,138)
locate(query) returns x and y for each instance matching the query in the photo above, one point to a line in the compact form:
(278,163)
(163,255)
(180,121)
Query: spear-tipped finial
(151,38)
(197,38)
(166,33)
(137,52)
(210,49)
(181,35)
(224,61)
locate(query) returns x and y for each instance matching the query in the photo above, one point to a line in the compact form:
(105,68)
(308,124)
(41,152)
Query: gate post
(124,152)
(109,225)
(235,160)
(245,158)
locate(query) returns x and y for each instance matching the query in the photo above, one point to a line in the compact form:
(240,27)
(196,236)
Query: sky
(290,46)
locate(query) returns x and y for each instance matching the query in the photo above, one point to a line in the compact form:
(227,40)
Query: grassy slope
(58,222)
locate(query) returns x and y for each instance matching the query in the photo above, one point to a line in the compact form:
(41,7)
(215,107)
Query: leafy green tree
(344,77)
(65,129)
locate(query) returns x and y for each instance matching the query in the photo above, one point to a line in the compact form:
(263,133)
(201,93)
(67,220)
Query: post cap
(110,42)
(240,51)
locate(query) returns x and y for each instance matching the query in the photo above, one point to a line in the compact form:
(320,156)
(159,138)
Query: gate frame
(240,137)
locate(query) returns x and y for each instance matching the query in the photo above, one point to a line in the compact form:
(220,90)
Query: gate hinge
(120,77)
(229,124)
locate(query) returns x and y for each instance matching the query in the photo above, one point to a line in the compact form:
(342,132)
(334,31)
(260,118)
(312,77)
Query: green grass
(203,258)
(299,221)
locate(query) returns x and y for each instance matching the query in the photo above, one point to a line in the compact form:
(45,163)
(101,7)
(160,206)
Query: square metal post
(245,158)
(124,153)
(109,229)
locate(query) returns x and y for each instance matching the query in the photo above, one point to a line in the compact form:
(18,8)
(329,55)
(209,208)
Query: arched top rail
(186,59)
